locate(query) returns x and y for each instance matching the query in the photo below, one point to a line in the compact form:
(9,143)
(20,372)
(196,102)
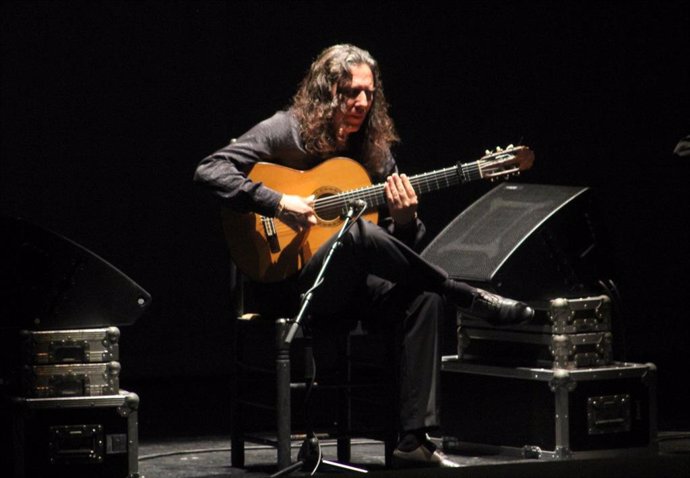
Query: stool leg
(283,424)
(345,401)
(237,438)
(236,409)
(389,447)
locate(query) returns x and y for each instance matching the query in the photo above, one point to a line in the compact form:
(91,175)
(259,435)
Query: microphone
(358,204)
(354,206)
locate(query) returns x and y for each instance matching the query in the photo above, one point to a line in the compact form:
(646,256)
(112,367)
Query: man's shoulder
(278,137)
(281,120)
(280,129)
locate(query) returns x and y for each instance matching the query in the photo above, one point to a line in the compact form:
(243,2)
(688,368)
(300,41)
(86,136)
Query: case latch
(70,444)
(608,414)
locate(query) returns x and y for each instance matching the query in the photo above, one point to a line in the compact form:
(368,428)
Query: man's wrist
(407,225)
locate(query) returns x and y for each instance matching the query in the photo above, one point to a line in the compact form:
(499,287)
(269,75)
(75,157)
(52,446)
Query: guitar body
(267,257)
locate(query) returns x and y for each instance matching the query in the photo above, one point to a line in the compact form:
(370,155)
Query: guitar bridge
(271,234)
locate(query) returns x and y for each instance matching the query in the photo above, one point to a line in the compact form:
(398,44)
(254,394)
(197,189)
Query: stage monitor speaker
(526,241)
(50,282)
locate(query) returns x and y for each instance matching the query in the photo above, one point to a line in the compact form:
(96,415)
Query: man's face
(357,96)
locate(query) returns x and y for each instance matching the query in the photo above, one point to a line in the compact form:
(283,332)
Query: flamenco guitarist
(340,110)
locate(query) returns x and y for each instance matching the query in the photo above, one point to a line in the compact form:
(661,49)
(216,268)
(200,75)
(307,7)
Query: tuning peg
(498,149)
(487,151)
(510,146)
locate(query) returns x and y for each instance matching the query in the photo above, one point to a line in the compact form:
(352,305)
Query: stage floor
(209,457)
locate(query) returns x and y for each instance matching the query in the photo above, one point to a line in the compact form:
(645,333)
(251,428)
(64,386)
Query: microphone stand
(307,296)
(310,455)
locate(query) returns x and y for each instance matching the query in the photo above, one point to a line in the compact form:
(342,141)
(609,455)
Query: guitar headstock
(505,162)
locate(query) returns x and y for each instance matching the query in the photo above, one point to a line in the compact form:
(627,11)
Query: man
(340,110)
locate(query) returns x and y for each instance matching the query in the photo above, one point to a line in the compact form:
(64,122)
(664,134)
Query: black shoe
(425,455)
(499,310)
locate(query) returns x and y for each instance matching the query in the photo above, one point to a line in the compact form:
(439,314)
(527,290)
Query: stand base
(309,458)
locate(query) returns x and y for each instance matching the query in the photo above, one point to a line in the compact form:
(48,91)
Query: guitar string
(422,183)
(372,194)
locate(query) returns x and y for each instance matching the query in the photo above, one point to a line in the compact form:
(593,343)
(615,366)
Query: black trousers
(378,278)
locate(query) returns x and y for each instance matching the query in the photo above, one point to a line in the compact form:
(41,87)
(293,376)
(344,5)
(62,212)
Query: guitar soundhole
(328,207)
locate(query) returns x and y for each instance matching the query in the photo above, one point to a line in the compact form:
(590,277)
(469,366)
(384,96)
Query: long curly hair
(315,106)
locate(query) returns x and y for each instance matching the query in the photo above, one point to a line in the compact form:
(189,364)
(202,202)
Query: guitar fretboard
(374,195)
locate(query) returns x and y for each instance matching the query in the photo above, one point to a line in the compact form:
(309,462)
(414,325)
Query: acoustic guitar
(267,250)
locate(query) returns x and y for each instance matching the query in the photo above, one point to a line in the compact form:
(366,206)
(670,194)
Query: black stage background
(108,106)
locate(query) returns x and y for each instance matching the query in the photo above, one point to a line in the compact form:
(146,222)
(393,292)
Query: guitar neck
(374,195)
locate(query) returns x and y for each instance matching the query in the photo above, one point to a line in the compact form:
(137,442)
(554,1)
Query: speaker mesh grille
(477,242)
